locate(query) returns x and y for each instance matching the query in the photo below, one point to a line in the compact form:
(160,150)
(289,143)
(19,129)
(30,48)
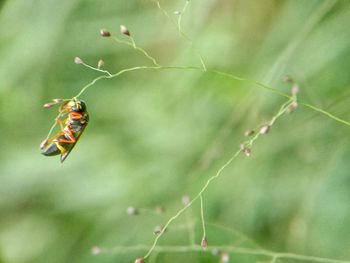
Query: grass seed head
(124,30)
(78,60)
(105,33)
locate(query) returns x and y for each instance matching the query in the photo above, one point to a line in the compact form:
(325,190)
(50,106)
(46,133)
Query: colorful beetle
(71,129)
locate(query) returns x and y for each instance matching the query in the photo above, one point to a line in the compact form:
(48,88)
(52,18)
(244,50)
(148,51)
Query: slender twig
(96,69)
(132,44)
(225,74)
(204,237)
(182,12)
(227,248)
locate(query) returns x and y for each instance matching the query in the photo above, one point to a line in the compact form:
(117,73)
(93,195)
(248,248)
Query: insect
(71,128)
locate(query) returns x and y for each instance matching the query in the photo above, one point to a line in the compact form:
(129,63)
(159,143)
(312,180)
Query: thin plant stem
(132,44)
(225,74)
(182,12)
(227,248)
(96,69)
(202,218)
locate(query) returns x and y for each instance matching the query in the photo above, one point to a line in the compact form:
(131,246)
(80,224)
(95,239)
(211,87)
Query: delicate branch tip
(78,60)
(105,33)
(124,30)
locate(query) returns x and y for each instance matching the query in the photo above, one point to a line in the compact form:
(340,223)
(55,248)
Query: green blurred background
(155,136)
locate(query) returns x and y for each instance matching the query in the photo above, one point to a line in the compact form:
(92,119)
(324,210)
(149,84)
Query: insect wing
(65,155)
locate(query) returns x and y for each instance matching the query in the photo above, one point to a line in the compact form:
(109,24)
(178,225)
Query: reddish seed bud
(204,243)
(225,258)
(57,100)
(159,209)
(138,260)
(292,107)
(78,60)
(105,33)
(249,133)
(265,129)
(132,211)
(100,64)
(287,79)
(246,150)
(124,30)
(95,250)
(185,199)
(43,143)
(48,105)
(157,230)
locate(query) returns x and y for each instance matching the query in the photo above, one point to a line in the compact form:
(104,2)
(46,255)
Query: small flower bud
(100,64)
(95,250)
(185,199)
(124,30)
(132,211)
(78,60)
(246,150)
(225,258)
(204,243)
(249,133)
(49,105)
(57,100)
(158,229)
(295,89)
(138,260)
(159,209)
(288,79)
(43,143)
(292,107)
(105,33)
(265,129)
